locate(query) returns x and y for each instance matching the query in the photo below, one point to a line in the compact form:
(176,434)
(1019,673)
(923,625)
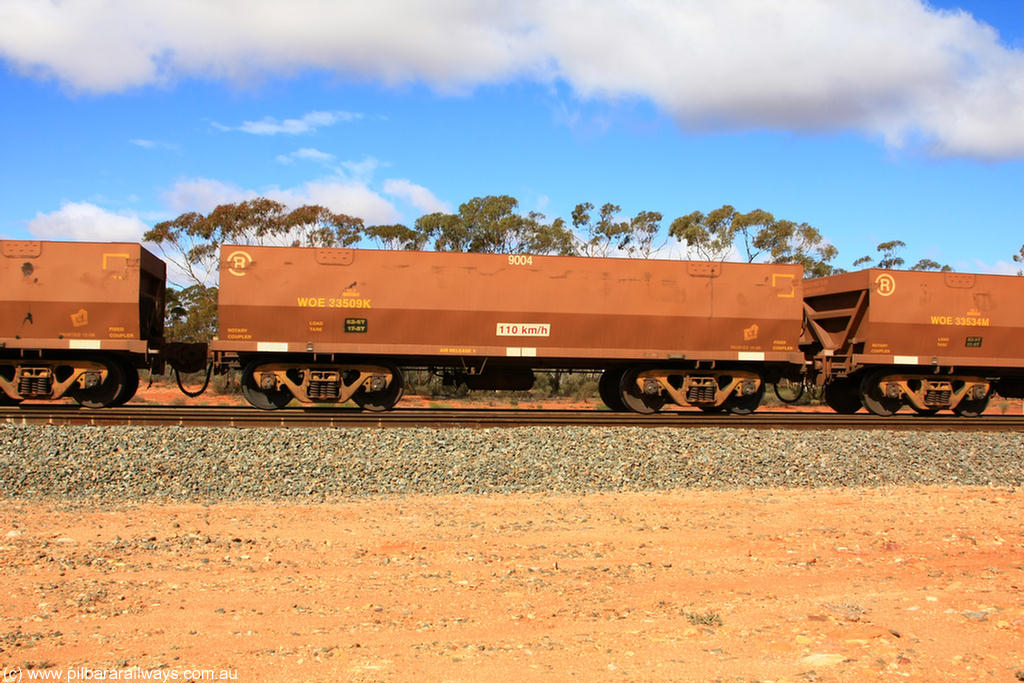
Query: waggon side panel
(78,295)
(439,304)
(932,318)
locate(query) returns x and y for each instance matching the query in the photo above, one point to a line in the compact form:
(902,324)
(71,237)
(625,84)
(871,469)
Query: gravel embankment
(212,464)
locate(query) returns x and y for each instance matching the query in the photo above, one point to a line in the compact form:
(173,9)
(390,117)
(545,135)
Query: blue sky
(871,120)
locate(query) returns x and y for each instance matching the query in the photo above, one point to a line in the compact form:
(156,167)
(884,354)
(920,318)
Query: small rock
(823,659)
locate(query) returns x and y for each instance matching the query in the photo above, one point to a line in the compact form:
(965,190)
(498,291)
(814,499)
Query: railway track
(218,416)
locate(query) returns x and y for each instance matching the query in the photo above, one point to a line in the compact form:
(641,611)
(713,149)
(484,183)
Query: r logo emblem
(885,284)
(238,262)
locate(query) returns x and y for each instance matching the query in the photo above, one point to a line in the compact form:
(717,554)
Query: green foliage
(928,264)
(192,241)
(491,225)
(1019,258)
(644,229)
(789,242)
(710,235)
(580,386)
(713,237)
(190,314)
(607,234)
(396,237)
(889,259)
(600,237)
(888,250)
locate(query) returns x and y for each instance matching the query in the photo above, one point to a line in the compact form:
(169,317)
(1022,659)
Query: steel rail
(233,416)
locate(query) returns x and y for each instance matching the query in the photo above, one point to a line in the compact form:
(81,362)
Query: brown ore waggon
(325,326)
(78,320)
(329,325)
(934,341)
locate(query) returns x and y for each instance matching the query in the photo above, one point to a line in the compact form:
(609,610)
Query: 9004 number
(520,260)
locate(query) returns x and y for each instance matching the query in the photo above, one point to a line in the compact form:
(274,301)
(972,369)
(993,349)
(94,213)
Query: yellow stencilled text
(333,302)
(960,320)
(120,333)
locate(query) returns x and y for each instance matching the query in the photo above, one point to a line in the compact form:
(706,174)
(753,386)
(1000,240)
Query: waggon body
(72,311)
(931,339)
(492,315)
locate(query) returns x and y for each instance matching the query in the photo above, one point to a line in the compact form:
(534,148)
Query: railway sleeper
(50,380)
(702,389)
(324,384)
(927,393)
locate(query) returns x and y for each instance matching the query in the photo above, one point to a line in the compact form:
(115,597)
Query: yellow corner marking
(792,284)
(107,257)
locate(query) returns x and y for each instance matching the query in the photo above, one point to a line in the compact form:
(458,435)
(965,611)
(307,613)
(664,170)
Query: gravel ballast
(213,464)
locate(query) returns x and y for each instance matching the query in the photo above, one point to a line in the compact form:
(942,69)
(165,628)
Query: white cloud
(82,221)
(152,144)
(997,268)
(203,195)
(308,123)
(417,195)
(359,171)
(896,69)
(306,154)
(351,198)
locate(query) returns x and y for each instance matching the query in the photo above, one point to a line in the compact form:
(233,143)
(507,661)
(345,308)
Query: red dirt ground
(756,585)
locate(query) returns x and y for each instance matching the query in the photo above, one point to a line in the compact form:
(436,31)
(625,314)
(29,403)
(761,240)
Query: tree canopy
(491,225)
(190,314)
(889,259)
(191,242)
(714,237)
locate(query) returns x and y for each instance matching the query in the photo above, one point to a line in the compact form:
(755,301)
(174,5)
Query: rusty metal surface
(484,418)
(922,318)
(79,295)
(446,305)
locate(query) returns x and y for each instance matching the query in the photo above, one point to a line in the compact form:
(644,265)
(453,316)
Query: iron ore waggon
(934,341)
(78,320)
(329,325)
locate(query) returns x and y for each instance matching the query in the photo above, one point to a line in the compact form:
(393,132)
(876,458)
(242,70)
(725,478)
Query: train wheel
(841,395)
(131,384)
(608,388)
(874,400)
(636,400)
(971,408)
(379,401)
(744,405)
(109,391)
(261,398)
